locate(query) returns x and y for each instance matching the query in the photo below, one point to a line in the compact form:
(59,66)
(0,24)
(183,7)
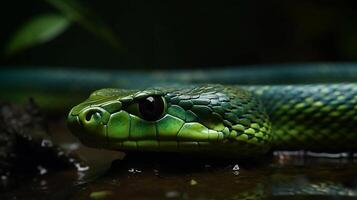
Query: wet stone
(26,148)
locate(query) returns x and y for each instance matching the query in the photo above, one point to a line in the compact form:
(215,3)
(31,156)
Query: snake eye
(151,108)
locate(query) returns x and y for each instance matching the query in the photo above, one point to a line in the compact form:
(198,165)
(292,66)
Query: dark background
(191,34)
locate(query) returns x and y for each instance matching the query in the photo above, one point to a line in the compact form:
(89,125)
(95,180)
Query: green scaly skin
(225,121)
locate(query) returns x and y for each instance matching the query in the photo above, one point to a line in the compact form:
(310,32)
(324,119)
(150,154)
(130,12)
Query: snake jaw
(129,132)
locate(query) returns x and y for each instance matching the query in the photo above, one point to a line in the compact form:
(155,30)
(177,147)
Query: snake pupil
(151,108)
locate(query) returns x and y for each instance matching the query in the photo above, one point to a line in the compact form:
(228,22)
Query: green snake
(226,112)
(220,120)
(230,112)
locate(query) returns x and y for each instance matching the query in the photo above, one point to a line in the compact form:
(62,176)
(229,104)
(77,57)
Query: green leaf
(38,30)
(86,18)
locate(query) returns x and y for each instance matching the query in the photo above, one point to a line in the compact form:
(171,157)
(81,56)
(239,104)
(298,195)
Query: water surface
(278,176)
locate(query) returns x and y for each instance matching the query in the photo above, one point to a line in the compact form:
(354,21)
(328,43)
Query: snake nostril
(93,116)
(90,114)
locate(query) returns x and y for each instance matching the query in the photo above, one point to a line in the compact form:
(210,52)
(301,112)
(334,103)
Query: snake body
(223,120)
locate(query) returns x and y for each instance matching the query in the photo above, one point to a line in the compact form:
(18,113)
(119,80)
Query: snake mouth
(129,132)
(93,132)
(159,145)
(96,127)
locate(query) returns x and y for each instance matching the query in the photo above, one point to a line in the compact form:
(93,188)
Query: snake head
(195,119)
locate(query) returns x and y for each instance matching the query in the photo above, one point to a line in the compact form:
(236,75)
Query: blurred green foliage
(43,28)
(85,17)
(38,30)
(176,34)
